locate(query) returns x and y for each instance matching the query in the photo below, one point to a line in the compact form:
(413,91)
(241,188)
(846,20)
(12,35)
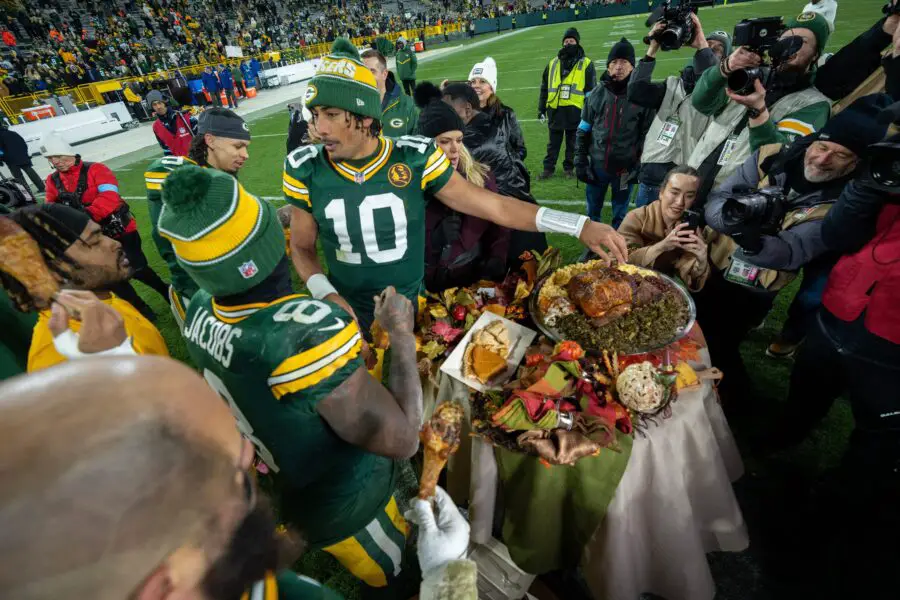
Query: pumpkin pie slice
(486,364)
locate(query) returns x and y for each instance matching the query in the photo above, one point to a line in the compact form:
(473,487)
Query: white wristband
(66,344)
(557,221)
(319,286)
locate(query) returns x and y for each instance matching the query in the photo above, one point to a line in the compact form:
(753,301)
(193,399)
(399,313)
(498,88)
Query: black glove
(582,163)
(584,173)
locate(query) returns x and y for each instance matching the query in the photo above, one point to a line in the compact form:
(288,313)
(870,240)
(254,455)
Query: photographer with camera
(92,188)
(768,218)
(677,126)
(754,104)
(855,70)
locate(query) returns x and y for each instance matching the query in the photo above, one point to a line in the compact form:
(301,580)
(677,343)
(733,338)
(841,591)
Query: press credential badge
(669,130)
(727,150)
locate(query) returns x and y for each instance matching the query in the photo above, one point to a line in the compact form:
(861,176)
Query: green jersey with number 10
(371,215)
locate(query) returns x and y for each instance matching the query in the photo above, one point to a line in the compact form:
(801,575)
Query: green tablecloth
(550,512)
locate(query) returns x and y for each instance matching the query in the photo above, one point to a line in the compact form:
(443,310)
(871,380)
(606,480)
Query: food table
(638,516)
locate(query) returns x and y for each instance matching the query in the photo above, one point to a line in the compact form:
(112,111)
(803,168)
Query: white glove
(443,540)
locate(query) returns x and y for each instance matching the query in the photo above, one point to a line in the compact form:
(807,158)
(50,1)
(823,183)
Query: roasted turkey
(607,294)
(603,292)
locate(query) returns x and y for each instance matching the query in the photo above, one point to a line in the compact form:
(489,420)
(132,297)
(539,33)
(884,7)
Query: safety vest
(569,92)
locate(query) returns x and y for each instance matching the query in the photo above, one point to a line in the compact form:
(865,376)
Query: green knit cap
(343,81)
(815,23)
(226,239)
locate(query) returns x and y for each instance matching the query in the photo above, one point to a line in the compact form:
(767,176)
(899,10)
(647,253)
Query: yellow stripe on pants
(356,559)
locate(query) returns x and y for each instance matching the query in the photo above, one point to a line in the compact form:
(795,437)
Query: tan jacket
(644,227)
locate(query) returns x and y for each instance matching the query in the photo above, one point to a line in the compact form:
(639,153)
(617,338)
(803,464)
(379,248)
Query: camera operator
(790,106)
(677,126)
(849,73)
(92,188)
(765,238)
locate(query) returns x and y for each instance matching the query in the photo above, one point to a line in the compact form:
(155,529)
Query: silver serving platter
(556,336)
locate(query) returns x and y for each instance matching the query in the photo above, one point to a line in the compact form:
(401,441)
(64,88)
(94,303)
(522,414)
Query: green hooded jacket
(401,115)
(407,63)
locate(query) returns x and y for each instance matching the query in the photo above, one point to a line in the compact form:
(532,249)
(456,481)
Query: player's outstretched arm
(304,233)
(470,199)
(365,413)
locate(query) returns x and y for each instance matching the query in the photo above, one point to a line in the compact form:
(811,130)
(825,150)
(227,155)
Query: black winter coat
(618,128)
(498,143)
(495,139)
(15,150)
(297,130)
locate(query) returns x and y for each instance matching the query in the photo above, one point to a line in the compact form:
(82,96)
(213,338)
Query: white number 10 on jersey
(336,211)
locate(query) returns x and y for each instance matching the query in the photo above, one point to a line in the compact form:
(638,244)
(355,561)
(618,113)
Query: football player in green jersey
(221,143)
(290,367)
(363,196)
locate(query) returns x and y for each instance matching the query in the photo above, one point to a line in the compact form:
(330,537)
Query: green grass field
(521,59)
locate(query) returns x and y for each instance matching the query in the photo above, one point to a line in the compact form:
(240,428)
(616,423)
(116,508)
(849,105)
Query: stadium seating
(65,43)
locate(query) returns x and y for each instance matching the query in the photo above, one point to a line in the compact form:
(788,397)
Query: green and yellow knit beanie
(815,23)
(226,239)
(343,81)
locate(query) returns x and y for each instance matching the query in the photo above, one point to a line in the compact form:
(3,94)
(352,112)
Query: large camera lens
(741,82)
(670,38)
(744,209)
(884,166)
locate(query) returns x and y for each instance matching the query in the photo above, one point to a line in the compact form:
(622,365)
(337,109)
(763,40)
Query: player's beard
(254,550)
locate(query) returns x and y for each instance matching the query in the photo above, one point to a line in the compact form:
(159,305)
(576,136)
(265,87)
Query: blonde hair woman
(459,249)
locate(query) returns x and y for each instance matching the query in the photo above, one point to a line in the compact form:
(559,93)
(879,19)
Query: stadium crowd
(740,183)
(103,40)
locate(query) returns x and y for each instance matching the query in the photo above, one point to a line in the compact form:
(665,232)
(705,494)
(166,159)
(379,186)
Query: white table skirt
(674,504)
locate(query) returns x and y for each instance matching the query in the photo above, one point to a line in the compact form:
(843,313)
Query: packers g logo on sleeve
(396,123)
(310,94)
(399,175)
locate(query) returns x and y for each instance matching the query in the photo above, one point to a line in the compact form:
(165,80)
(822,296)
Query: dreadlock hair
(198,149)
(53,237)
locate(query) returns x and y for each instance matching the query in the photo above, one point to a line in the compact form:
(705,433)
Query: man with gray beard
(759,243)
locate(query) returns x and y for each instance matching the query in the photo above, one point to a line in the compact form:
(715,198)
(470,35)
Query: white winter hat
(487,70)
(54,145)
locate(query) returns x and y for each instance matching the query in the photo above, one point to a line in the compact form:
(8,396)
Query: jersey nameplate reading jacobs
(213,336)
